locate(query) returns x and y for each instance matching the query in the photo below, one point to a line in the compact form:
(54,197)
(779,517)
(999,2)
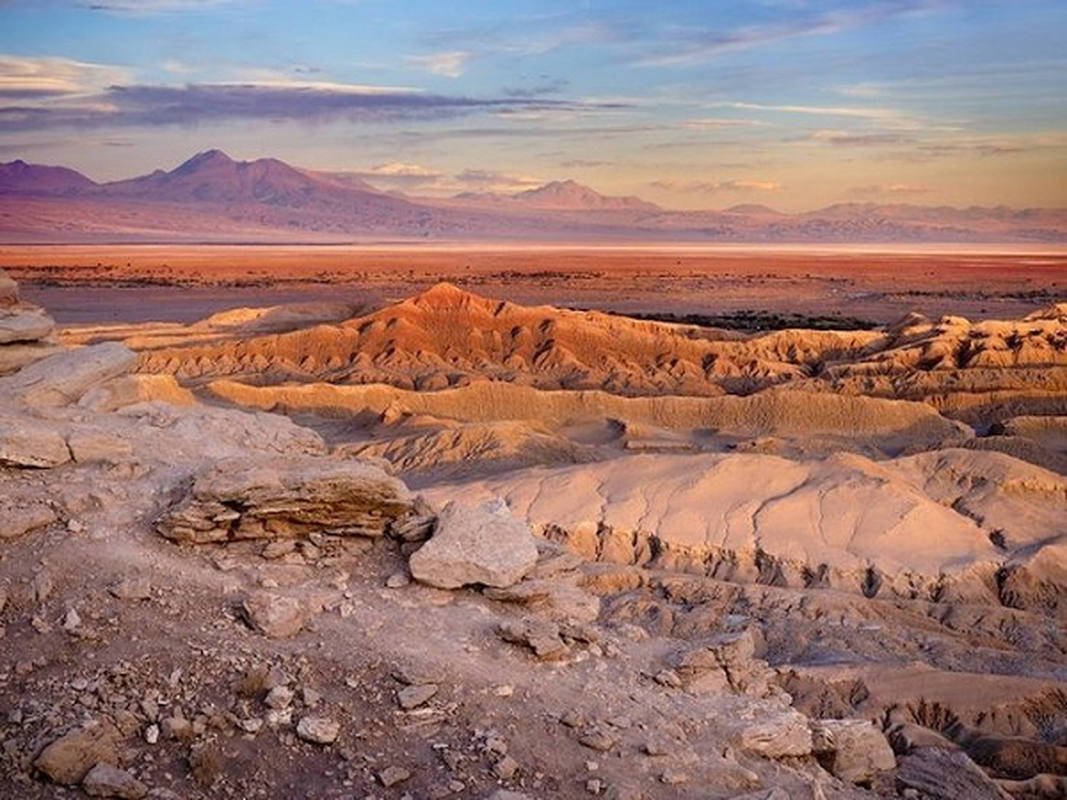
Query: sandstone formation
(247,499)
(741,591)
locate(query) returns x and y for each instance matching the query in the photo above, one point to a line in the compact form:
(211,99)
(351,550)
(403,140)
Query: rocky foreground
(198,600)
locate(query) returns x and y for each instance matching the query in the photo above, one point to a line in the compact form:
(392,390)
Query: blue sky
(790,103)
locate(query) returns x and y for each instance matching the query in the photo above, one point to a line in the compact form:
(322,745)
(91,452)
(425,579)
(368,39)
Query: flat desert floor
(128,283)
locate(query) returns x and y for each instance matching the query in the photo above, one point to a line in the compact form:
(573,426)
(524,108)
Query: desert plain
(533,521)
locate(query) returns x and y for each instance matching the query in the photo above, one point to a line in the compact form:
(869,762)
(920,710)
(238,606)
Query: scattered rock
(279,697)
(131,589)
(25,442)
(505,794)
(414,696)
(597,738)
(284,498)
(391,776)
(852,749)
(506,768)
(68,759)
(318,730)
(398,580)
(105,780)
(275,616)
(783,733)
(475,544)
(541,636)
(23,519)
(673,777)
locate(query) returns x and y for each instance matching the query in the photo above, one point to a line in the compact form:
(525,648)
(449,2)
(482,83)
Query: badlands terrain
(660,524)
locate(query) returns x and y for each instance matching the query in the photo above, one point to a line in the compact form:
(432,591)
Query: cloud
(28,78)
(708,187)
(695,45)
(491,180)
(891,189)
(720,123)
(856,112)
(545,85)
(399,173)
(851,139)
(276,101)
(146,7)
(450,64)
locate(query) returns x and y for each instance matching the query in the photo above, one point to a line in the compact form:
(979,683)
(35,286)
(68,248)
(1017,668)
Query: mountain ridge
(211,194)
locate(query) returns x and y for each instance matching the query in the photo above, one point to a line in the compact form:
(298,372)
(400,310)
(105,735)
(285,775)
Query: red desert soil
(138,282)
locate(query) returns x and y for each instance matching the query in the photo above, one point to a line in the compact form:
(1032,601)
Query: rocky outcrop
(63,378)
(284,498)
(852,749)
(27,442)
(69,758)
(26,331)
(475,544)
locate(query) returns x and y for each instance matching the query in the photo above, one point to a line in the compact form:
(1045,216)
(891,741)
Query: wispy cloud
(145,7)
(857,138)
(449,64)
(880,189)
(491,180)
(27,78)
(855,112)
(281,100)
(688,46)
(720,187)
(720,123)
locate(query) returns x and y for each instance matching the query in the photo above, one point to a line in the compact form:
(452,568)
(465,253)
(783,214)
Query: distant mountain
(18,177)
(556,196)
(573,196)
(212,197)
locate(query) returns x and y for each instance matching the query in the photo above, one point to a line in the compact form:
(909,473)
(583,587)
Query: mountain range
(212,197)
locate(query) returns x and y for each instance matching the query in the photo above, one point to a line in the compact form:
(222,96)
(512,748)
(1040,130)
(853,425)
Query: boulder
(275,616)
(69,758)
(852,749)
(105,780)
(17,520)
(778,734)
(475,544)
(9,290)
(940,774)
(26,442)
(284,497)
(318,730)
(22,324)
(62,379)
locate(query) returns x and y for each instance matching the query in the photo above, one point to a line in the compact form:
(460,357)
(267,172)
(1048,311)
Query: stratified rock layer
(286,497)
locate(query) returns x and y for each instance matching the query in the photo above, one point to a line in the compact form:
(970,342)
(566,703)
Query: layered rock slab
(246,498)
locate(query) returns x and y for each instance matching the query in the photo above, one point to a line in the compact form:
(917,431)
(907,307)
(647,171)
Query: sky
(794,104)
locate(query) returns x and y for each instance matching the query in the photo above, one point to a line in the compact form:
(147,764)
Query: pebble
(506,768)
(673,777)
(414,696)
(398,580)
(391,776)
(278,698)
(597,739)
(151,734)
(594,786)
